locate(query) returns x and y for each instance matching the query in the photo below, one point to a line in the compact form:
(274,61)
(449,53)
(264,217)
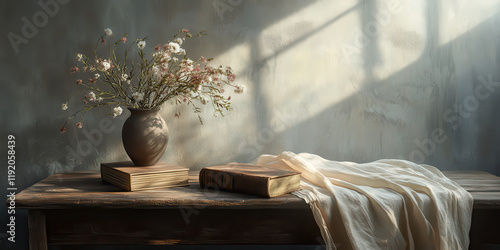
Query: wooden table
(485,188)
(71,208)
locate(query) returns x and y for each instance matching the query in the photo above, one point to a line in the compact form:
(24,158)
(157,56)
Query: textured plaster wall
(348,80)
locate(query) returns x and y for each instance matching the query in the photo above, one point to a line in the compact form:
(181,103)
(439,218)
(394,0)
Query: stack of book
(134,178)
(233,177)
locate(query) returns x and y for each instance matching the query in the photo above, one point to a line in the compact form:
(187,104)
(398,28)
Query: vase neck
(143,111)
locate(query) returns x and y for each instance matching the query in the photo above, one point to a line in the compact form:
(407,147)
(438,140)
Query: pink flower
(62,130)
(79,125)
(177,115)
(203,60)
(92,80)
(124,39)
(85,101)
(185,30)
(158,47)
(74,70)
(79,81)
(103,40)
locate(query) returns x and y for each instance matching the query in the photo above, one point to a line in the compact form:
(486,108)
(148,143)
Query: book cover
(250,179)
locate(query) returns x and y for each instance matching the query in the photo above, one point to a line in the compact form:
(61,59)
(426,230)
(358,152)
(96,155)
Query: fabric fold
(385,204)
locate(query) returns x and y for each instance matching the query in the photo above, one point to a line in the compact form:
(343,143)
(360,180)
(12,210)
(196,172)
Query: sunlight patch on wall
(325,22)
(308,51)
(459,17)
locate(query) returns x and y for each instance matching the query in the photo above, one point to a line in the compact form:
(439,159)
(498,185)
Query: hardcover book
(250,179)
(134,178)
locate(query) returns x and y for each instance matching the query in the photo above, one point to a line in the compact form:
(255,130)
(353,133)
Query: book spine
(234,182)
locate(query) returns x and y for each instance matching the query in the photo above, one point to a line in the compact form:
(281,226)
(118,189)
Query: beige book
(135,178)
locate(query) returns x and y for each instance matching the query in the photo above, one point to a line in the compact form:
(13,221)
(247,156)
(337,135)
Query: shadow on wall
(437,110)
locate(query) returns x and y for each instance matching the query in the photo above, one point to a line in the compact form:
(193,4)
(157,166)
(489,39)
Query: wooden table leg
(37,229)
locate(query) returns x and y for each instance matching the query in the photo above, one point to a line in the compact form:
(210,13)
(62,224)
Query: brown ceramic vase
(145,136)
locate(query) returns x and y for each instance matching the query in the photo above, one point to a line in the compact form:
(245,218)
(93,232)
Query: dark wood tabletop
(484,187)
(86,189)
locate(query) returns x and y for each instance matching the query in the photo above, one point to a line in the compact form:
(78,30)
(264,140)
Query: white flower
(178,41)
(173,47)
(155,70)
(108,31)
(105,65)
(97,75)
(141,44)
(164,66)
(138,96)
(182,51)
(100,99)
(221,77)
(117,111)
(79,57)
(124,77)
(64,106)
(128,81)
(188,63)
(91,96)
(175,59)
(239,89)
(166,57)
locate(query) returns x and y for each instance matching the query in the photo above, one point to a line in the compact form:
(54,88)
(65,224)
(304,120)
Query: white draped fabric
(386,204)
